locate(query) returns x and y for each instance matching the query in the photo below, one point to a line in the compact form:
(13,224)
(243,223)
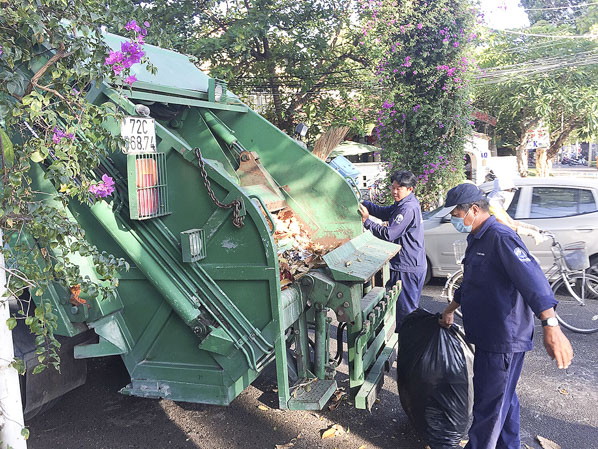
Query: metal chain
(236,205)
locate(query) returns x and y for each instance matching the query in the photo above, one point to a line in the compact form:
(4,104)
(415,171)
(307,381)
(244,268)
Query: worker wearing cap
(405,227)
(503,288)
(500,199)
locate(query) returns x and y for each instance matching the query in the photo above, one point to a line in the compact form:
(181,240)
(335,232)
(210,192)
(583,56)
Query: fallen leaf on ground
(563,391)
(547,444)
(333,431)
(263,407)
(285,446)
(463,443)
(362,447)
(336,399)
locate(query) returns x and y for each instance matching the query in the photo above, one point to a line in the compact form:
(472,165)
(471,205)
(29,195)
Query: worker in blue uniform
(405,227)
(503,288)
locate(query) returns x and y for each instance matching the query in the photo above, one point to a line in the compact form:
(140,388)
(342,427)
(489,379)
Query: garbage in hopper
(297,254)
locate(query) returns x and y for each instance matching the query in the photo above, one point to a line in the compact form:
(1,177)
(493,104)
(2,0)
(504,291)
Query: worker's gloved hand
(536,234)
(364,212)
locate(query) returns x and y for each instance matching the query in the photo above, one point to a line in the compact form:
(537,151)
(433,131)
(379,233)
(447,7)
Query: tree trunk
(11,410)
(522,161)
(542,168)
(522,166)
(275,90)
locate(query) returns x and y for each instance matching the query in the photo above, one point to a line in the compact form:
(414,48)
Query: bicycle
(572,286)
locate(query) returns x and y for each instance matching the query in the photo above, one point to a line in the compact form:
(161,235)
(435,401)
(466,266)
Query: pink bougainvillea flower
(104,188)
(58,135)
(132,26)
(130,79)
(114,58)
(133,52)
(146,24)
(419,26)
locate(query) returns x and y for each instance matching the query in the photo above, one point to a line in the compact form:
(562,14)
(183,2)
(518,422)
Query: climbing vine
(425,70)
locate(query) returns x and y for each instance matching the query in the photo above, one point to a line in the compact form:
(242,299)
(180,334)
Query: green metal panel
(366,395)
(360,258)
(318,194)
(174,69)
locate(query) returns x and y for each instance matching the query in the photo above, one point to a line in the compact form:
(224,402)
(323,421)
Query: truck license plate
(139,134)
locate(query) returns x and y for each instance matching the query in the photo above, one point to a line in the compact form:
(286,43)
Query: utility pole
(11,409)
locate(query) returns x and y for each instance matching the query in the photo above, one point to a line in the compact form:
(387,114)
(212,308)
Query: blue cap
(463,194)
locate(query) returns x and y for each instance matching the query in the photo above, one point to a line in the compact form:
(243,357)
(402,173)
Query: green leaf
(36,156)
(19,365)
(25,433)
(11,323)
(9,155)
(38,369)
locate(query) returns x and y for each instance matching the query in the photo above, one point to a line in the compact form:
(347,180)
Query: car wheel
(593,269)
(593,266)
(428,272)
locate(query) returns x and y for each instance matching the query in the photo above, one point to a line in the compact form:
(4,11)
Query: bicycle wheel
(452,284)
(579,311)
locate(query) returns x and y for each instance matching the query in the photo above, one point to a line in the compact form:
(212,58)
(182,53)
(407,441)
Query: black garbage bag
(435,379)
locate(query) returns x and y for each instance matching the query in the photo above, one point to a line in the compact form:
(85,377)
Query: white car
(567,207)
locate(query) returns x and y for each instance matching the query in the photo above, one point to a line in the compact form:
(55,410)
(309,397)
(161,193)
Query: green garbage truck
(199,185)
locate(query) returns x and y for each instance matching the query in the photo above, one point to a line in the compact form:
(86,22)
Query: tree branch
(568,128)
(55,58)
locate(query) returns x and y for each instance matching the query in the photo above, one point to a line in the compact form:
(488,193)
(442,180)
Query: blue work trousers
(412,284)
(495,403)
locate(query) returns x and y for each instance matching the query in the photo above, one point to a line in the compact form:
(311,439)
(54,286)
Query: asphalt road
(559,405)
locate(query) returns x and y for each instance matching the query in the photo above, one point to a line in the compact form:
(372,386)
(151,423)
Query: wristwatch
(550,322)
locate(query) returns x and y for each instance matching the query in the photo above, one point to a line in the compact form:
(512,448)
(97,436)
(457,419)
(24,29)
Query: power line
(553,36)
(561,7)
(537,67)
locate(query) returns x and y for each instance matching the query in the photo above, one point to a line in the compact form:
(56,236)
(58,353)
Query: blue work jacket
(405,227)
(503,287)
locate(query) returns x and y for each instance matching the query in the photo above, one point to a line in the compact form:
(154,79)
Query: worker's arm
(520,227)
(530,230)
(529,280)
(395,229)
(381,212)
(502,216)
